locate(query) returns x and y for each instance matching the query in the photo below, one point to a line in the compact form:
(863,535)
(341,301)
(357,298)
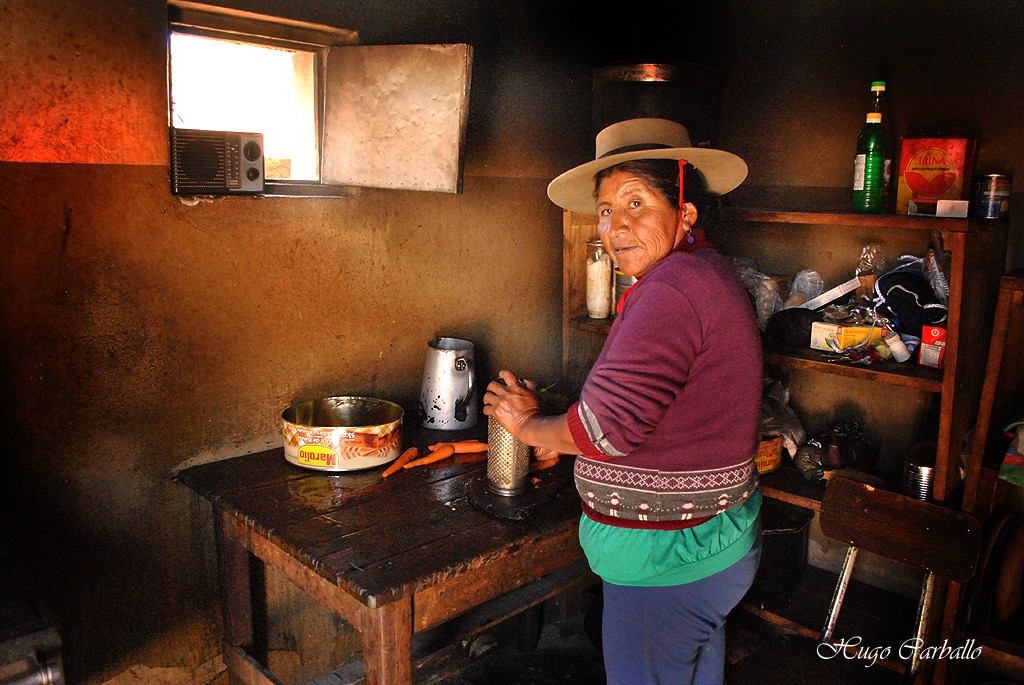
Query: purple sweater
(667,422)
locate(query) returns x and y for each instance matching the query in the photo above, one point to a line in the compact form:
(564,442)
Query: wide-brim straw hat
(646,138)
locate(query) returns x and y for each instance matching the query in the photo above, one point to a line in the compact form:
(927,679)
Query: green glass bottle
(880,104)
(869,167)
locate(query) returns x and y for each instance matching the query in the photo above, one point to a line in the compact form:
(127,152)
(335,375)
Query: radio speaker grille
(216,162)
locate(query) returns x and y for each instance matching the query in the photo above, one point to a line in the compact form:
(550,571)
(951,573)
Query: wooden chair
(943,542)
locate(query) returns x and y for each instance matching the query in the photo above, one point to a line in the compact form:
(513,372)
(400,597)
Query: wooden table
(392,557)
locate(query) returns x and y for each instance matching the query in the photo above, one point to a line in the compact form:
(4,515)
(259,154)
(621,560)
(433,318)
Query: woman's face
(636,223)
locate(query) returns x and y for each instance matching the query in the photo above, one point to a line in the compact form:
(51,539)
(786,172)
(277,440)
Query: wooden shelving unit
(977,255)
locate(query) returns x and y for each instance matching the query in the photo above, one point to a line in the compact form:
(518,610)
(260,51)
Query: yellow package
(843,337)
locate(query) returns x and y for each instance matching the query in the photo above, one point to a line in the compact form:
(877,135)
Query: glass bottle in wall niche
(599,280)
(880,105)
(869,167)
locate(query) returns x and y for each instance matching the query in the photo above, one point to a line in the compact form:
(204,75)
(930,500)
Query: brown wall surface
(140,333)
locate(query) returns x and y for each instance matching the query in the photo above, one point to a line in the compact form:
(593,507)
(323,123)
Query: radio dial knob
(252,173)
(252,151)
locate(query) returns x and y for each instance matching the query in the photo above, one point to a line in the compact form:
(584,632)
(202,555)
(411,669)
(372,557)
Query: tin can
(769,453)
(622,284)
(990,196)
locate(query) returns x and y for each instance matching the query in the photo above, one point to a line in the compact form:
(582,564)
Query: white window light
(272,94)
(315,96)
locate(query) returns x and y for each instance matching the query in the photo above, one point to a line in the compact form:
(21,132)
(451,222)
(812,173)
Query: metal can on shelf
(622,284)
(990,196)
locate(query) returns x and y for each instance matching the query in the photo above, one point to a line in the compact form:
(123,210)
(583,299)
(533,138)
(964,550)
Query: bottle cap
(874,118)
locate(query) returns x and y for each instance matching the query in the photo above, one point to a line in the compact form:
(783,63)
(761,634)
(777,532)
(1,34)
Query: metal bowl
(342,433)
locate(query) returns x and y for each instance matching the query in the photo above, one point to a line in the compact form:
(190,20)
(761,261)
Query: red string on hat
(682,166)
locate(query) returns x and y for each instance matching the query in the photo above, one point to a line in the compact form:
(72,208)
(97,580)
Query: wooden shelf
(788,485)
(908,374)
(893,221)
(585,323)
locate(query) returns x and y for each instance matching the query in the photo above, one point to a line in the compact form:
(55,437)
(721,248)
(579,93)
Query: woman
(666,424)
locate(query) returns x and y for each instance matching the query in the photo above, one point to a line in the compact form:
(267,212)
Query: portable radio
(216,162)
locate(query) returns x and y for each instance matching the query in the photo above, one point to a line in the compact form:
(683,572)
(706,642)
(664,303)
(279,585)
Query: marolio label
(317,455)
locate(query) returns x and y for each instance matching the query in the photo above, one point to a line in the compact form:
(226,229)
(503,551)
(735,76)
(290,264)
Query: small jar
(599,280)
(899,350)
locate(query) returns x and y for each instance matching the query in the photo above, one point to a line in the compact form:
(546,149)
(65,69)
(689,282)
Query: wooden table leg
(233,565)
(387,643)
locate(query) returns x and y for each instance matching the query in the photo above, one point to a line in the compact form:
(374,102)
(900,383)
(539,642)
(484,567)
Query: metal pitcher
(448,397)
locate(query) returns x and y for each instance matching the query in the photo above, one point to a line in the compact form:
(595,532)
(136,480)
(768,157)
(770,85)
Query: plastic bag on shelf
(746,269)
(852,447)
(766,291)
(768,296)
(808,461)
(844,446)
(872,261)
(941,258)
(780,417)
(872,264)
(936,276)
(807,284)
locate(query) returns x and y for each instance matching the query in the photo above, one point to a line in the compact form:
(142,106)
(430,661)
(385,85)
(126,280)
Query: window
(314,95)
(273,94)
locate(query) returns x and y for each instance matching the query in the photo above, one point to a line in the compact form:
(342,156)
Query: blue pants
(673,635)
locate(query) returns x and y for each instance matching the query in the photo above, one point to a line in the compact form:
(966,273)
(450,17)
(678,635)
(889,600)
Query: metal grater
(508,460)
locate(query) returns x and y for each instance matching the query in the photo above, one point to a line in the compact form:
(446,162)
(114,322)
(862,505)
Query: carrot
(404,459)
(462,446)
(542,464)
(469,447)
(471,458)
(436,455)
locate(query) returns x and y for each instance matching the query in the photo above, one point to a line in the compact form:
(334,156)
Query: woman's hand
(515,405)
(511,402)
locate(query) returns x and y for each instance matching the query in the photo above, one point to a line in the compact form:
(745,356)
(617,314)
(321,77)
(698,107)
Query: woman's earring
(689,236)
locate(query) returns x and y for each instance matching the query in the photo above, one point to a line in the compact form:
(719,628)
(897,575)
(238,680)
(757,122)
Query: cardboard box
(844,337)
(933,169)
(932,351)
